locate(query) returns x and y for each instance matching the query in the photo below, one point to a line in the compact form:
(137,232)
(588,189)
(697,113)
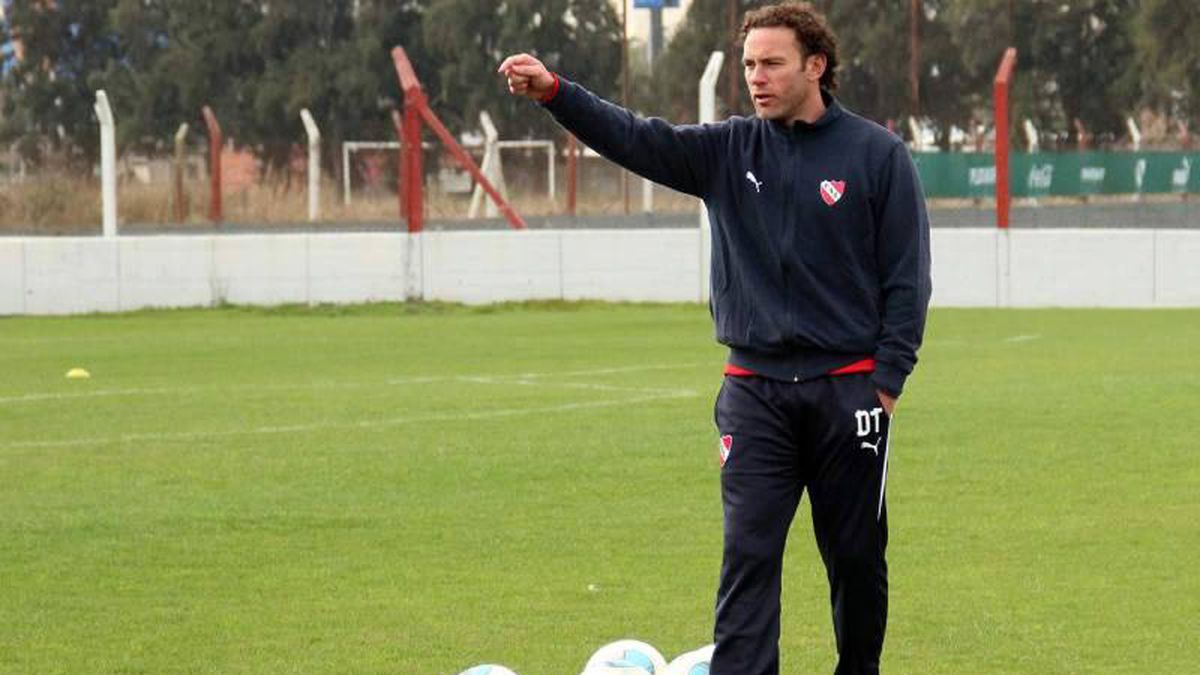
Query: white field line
(523,382)
(362,424)
(97,393)
(639,395)
(960,342)
(158,391)
(624,369)
(565,373)
(519,378)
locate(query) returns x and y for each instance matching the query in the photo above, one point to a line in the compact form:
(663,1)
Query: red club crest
(832,191)
(726,448)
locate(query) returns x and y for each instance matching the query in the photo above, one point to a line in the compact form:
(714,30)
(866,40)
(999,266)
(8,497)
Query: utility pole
(625,89)
(1012,22)
(914,56)
(731,93)
(625,53)
(655,45)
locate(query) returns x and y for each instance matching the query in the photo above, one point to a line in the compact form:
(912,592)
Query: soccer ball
(625,657)
(488,669)
(695,662)
(616,667)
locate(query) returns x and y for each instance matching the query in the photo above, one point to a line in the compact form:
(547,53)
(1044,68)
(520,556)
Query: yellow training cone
(78,374)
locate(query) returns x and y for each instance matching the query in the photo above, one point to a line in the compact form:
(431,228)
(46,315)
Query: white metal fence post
(1032,142)
(108,163)
(492,168)
(314,165)
(345,174)
(708,113)
(1135,134)
(918,134)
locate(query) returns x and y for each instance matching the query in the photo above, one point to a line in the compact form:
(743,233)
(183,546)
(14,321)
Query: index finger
(515,59)
(525,69)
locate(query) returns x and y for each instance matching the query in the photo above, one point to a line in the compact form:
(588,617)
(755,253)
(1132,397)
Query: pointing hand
(527,77)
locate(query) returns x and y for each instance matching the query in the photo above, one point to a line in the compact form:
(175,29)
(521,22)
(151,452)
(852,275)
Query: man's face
(780,78)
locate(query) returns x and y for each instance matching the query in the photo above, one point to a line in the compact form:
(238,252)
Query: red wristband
(553,92)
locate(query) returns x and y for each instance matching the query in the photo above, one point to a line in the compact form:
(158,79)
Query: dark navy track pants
(828,436)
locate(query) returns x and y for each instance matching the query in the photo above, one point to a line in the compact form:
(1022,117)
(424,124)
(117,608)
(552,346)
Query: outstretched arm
(681,157)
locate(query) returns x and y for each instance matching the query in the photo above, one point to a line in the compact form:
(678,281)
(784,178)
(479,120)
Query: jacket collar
(833,111)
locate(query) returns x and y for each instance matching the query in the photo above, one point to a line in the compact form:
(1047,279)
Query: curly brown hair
(811,29)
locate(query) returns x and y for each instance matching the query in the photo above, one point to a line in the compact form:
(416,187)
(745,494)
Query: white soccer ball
(488,669)
(616,667)
(625,657)
(695,662)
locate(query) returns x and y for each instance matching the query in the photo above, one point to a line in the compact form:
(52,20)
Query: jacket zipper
(788,234)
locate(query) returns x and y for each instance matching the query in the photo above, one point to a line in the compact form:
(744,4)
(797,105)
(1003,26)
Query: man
(820,286)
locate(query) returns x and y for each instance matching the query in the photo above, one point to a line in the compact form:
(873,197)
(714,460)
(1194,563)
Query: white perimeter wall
(972,268)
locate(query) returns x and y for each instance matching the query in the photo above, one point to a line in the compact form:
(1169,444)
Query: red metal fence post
(401,165)
(416,110)
(1000,94)
(464,160)
(572,172)
(414,168)
(215,143)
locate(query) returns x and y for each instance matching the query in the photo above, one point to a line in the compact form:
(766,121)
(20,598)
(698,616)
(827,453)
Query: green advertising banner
(1066,174)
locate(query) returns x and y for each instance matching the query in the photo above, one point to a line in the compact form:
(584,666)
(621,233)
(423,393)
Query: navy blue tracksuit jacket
(820,253)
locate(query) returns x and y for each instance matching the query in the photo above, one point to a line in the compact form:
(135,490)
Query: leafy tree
(50,94)
(1168,57)
(673,89)
(873,46)
(367,78)
(162,79)
(580,39)
(258,62)
(875,49)
(305,51)
(1096,49)
(1072,58)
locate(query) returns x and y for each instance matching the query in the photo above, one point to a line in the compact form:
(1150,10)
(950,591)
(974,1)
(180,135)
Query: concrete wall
(12,276)
(1177,268)
(1066,268)
(966,267)
(972,268)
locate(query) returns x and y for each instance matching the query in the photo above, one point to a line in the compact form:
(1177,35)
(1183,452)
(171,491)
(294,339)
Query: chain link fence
(358,190)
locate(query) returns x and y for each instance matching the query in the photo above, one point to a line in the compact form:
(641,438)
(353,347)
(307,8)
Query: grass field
(417,489)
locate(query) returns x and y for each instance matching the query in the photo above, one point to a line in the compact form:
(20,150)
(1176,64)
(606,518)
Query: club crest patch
(726,448)
(832,191)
